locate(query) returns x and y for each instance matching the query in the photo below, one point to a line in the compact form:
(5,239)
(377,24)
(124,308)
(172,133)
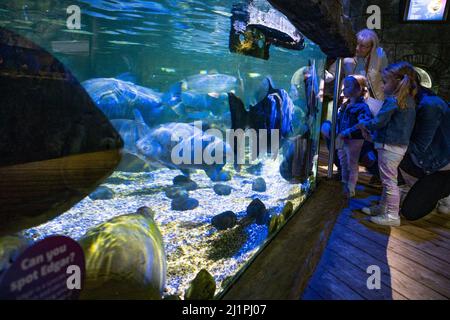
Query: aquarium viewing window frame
(405,9)
(74,49)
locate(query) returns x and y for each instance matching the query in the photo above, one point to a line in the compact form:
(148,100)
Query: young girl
(350,140)
(392,129)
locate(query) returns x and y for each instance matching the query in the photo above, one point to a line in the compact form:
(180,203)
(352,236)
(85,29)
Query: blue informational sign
(426,10)
(51,269)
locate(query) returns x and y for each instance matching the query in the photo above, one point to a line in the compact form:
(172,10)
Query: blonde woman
(370,60)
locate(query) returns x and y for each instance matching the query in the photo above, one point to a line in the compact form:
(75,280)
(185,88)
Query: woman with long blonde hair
(369,61)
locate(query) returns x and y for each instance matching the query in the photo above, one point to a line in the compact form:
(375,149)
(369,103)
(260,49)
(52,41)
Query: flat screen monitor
(426,10)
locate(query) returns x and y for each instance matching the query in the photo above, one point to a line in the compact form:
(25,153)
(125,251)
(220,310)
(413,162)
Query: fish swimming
(212,83)
(156,146)
(117,99)
(298,152)
(299,76)
(200,106)
(130,132)
(274,111)
(306,77)
(200,101)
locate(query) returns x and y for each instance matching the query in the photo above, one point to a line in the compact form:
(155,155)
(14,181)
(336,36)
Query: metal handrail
(337,91)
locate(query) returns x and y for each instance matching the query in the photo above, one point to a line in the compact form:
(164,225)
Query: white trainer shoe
(385,220)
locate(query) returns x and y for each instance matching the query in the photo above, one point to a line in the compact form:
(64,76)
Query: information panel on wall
(426,10)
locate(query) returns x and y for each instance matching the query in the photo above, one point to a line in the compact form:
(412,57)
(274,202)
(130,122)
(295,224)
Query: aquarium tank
(218,106)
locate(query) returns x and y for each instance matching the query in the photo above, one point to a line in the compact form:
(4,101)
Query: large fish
(306,77)
(202,101)
(130,131)
(201,106)
(56,147)
(299,76)
(156,146)
(212,84)
(117,99)
(125,258)
(298,152)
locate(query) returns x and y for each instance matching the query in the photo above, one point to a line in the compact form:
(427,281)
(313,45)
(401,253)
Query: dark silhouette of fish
(56,147)
(117,99)
(156,146)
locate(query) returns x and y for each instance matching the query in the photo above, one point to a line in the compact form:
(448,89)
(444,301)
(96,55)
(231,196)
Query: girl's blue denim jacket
(393,125)
(349,116)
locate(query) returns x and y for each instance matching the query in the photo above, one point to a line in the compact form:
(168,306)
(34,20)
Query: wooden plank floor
(414,259)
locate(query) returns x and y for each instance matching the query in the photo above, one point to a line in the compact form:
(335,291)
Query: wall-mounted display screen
(426,10)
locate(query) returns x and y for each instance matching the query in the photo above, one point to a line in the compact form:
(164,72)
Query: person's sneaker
(385,220)
(444,205)
(373,210)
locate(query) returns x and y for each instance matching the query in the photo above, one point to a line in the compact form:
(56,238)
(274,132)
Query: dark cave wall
(323,22)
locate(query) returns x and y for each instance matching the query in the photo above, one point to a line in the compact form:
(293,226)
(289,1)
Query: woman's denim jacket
(430,140)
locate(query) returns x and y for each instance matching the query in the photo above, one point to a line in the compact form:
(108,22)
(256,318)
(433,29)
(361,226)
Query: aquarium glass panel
(220,130)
